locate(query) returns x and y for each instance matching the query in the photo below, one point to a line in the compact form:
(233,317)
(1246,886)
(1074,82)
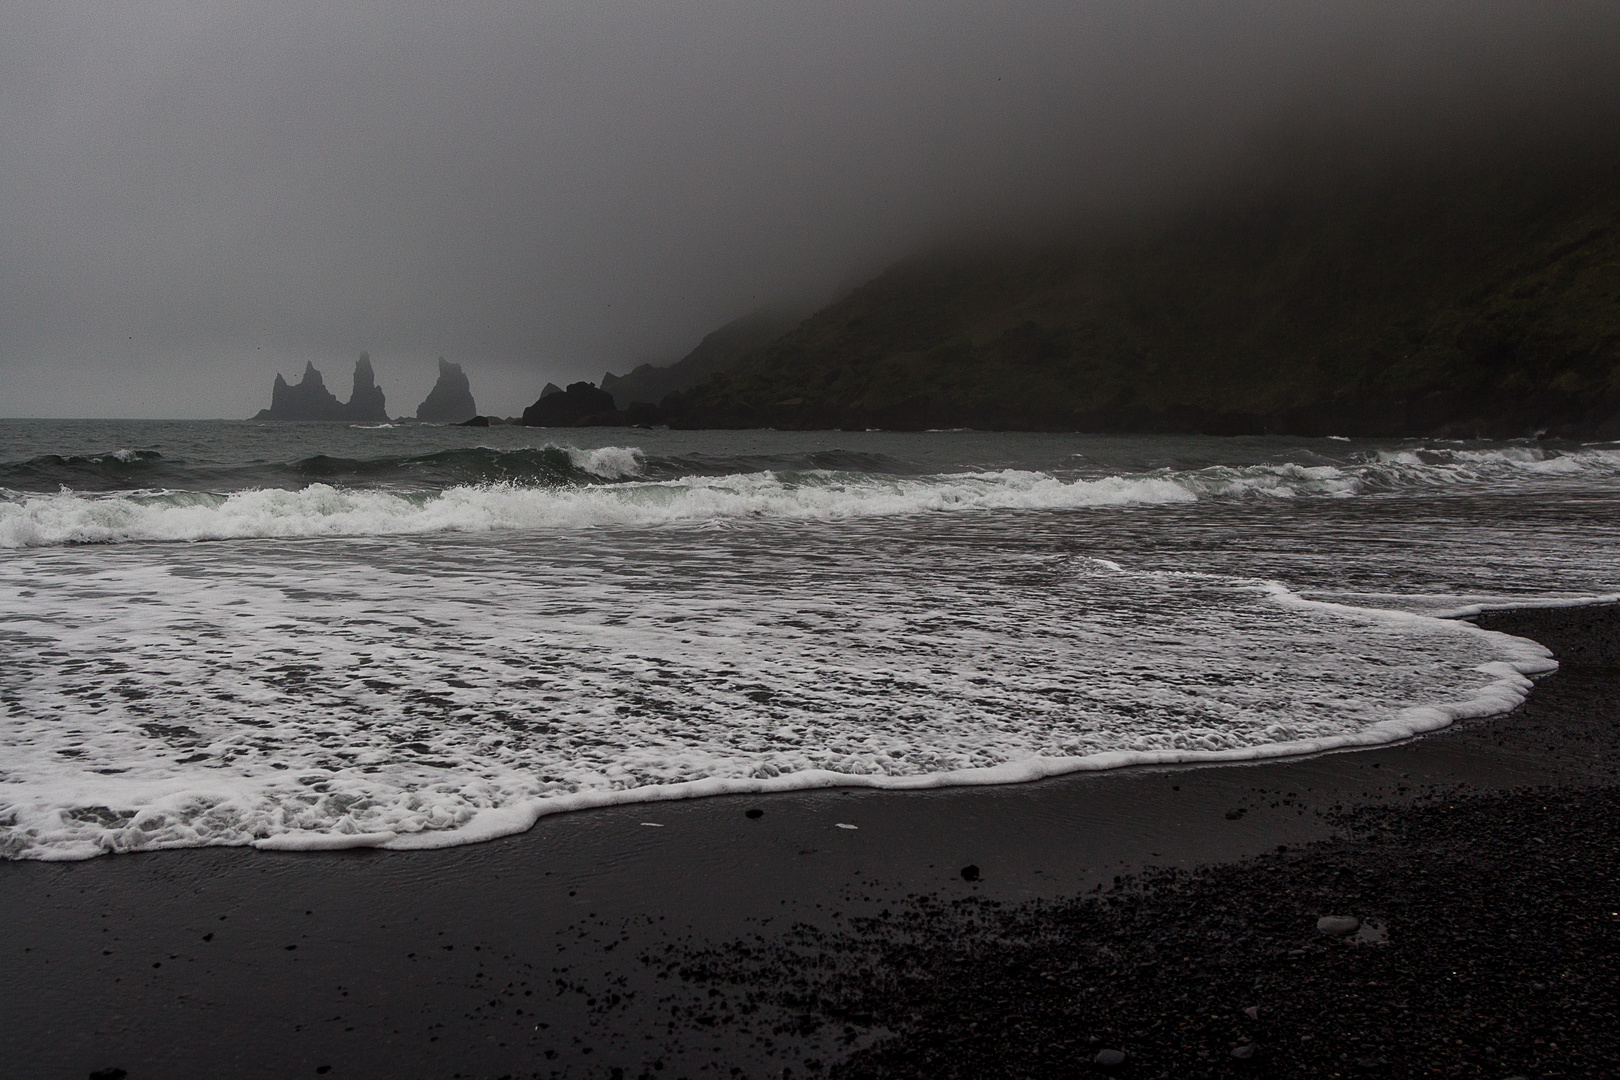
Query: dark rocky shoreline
(1488,943)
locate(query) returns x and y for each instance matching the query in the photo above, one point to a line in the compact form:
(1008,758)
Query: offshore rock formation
(309,399)
(581,403)
(450,401)
(366,399)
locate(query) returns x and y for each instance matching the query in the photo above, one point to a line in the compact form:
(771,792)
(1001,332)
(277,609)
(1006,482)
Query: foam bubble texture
(436,690)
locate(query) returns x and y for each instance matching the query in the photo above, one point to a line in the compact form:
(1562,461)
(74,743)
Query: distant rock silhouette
(450,401)
(309,399)
(582,402)
(549,389)
(366,399)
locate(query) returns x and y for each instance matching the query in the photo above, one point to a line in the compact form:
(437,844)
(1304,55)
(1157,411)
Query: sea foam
(325,510)
(609,487)
(324,696)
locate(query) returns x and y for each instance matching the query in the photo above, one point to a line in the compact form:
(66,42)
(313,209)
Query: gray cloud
(195,195)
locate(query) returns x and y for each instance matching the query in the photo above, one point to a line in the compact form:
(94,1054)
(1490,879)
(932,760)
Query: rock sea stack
(450,401)
(309,399)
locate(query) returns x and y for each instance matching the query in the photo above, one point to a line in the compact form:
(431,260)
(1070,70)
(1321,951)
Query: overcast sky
(194,196)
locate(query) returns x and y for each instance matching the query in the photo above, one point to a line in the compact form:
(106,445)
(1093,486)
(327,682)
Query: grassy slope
(1366,305)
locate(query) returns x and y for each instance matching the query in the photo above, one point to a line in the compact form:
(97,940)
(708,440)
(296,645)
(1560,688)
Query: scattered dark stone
(754,812)
(1337,925)
(970,872)
(1161,950)
(290,948)
(1233,815)
(208,937)
(1244,1052)
(323,1069)
(108,1074)
(1371,933)
(1371,1064)
(1109,1059)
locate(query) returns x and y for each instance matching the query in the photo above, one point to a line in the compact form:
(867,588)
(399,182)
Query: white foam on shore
(424,696)
(1452,606)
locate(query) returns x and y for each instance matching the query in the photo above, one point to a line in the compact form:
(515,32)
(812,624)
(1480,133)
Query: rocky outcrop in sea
(309,399)
(366,398)
(450,401)
(581,403)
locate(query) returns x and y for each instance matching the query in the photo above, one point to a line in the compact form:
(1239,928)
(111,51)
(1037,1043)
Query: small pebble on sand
(1337,925)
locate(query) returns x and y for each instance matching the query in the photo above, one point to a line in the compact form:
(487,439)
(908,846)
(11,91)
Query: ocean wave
(326,510)
(142,470)
(568,488)
(1391,471)
(115,469)
(479,464)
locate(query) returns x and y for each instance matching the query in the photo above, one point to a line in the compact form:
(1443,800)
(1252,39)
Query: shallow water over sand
(421,636)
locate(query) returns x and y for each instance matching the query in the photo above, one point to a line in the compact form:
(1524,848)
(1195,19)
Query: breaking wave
(480,489)
(325,510)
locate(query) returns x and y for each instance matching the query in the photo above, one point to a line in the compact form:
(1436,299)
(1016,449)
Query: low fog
(196,196)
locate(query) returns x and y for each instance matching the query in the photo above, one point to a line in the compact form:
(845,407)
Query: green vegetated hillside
(1464,300)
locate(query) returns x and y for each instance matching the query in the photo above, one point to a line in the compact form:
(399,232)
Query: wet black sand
(716,942)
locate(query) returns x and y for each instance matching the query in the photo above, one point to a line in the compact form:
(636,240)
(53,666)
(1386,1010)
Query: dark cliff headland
(1465,295)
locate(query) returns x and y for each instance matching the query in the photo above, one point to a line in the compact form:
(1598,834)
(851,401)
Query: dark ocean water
(310,635)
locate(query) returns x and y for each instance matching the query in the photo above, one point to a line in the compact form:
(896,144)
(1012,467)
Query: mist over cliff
(1462,288)
(197,197)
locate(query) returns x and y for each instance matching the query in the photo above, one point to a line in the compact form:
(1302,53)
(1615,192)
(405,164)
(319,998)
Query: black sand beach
(1483,859)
